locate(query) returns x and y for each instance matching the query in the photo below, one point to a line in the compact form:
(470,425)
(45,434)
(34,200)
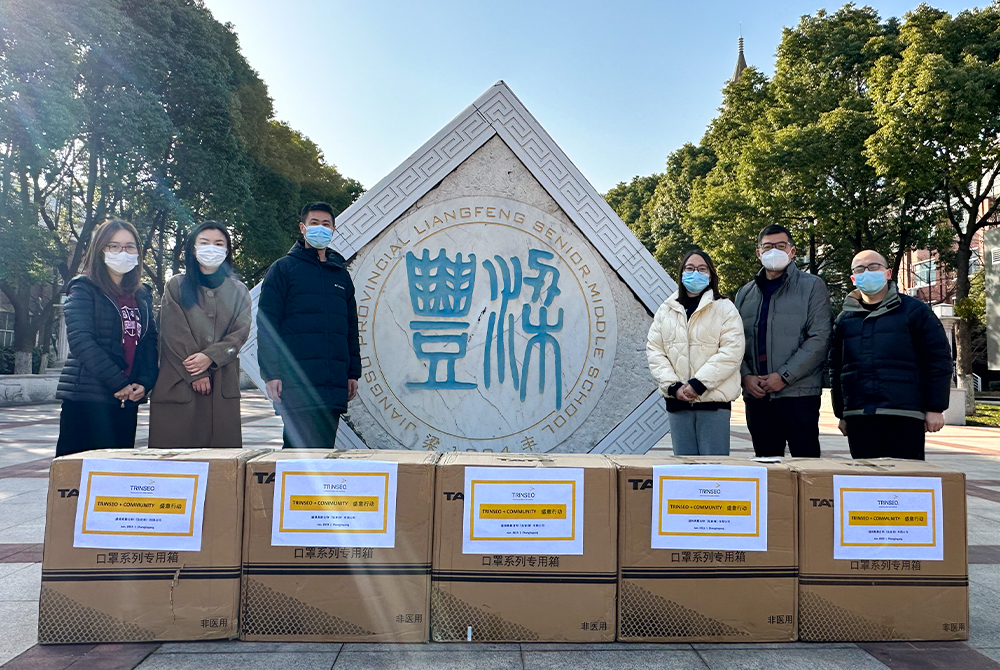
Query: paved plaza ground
(27,444)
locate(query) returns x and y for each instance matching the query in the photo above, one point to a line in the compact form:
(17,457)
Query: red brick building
(922,276)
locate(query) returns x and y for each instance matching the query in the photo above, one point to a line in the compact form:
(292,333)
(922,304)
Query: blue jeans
(700,432)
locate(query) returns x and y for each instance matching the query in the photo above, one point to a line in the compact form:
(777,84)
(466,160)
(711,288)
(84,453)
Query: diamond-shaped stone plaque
(503,305)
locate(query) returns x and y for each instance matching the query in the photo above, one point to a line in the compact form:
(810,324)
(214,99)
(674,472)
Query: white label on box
(523,511)
(709,507)
(140,504)
(884,517)
(335,503)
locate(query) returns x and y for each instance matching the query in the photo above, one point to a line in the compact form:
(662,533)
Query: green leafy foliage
(937,105)
(144,110)
(873,133)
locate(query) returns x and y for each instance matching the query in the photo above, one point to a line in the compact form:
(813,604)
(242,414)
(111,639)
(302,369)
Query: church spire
(741,62)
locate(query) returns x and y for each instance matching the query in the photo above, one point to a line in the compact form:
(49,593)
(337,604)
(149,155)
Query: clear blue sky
(618,85)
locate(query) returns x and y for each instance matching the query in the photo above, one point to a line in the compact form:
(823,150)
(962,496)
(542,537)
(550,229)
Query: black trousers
(310,428)
(885,436)
(776,422)
(96,425)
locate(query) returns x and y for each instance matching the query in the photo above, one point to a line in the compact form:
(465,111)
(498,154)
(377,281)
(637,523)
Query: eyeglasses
(703,269)
(114,248)
(873,267)
(780,246)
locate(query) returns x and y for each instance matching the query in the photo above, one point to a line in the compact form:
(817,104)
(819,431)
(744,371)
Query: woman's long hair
(192,270)
(713,282)
(97,271)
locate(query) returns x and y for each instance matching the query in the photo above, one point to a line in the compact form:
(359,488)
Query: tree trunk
(25,327)
(963,363)
(900,252)
(46,340)
(22,362)
(24,334)
(813,268)
(963,338)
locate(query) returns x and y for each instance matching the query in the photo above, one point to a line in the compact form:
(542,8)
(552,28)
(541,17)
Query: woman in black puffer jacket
(112,342)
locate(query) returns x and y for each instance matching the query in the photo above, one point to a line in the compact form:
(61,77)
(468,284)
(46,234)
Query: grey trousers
(700,432)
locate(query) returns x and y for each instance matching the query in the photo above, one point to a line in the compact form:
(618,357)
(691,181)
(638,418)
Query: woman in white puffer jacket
(694,349)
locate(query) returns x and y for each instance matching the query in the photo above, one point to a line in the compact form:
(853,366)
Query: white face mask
(210,256)
(121,262)
(774,260)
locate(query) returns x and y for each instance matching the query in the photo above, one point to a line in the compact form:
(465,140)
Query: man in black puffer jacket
(891,366)
(307,325)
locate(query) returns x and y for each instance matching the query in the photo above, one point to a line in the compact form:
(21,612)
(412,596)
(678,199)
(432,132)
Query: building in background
(922,276)
(6,321)
(992,258)
(741,62)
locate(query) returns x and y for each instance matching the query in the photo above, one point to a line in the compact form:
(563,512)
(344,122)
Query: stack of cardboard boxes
(707,550)
(399,546)
(882,551)
(524,548)
(337,546)
(143,545)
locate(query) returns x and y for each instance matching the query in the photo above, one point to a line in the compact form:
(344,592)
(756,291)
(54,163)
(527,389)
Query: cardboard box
(917,589)
(115,592)
(524,556)
(703,585)
(311,590)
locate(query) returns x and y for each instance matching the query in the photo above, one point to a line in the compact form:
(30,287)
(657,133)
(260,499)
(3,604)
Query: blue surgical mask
(870,282)
(695,282)
(319,237)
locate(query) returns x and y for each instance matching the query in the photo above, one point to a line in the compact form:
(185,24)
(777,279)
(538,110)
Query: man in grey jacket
(787,325)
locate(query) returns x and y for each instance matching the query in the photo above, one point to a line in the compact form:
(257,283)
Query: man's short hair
(883,259)
(316,207)
(774,229)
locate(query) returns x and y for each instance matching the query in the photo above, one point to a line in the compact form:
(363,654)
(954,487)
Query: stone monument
(502,304)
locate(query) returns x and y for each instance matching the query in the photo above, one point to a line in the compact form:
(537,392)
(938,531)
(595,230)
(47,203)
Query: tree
(938,109)
(39,113)
(794,150)
(721,216)
(807,166)
(629,202)
(289,170)
(666,212)
(144,110)
(972,310)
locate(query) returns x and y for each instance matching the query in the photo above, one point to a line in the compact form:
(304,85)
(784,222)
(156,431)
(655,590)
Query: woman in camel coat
(205,319)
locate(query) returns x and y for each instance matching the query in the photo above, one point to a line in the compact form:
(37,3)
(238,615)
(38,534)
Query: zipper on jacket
(770,319)
(687,338)
(687,333)
(118,309)
(755,357)
(148,317)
